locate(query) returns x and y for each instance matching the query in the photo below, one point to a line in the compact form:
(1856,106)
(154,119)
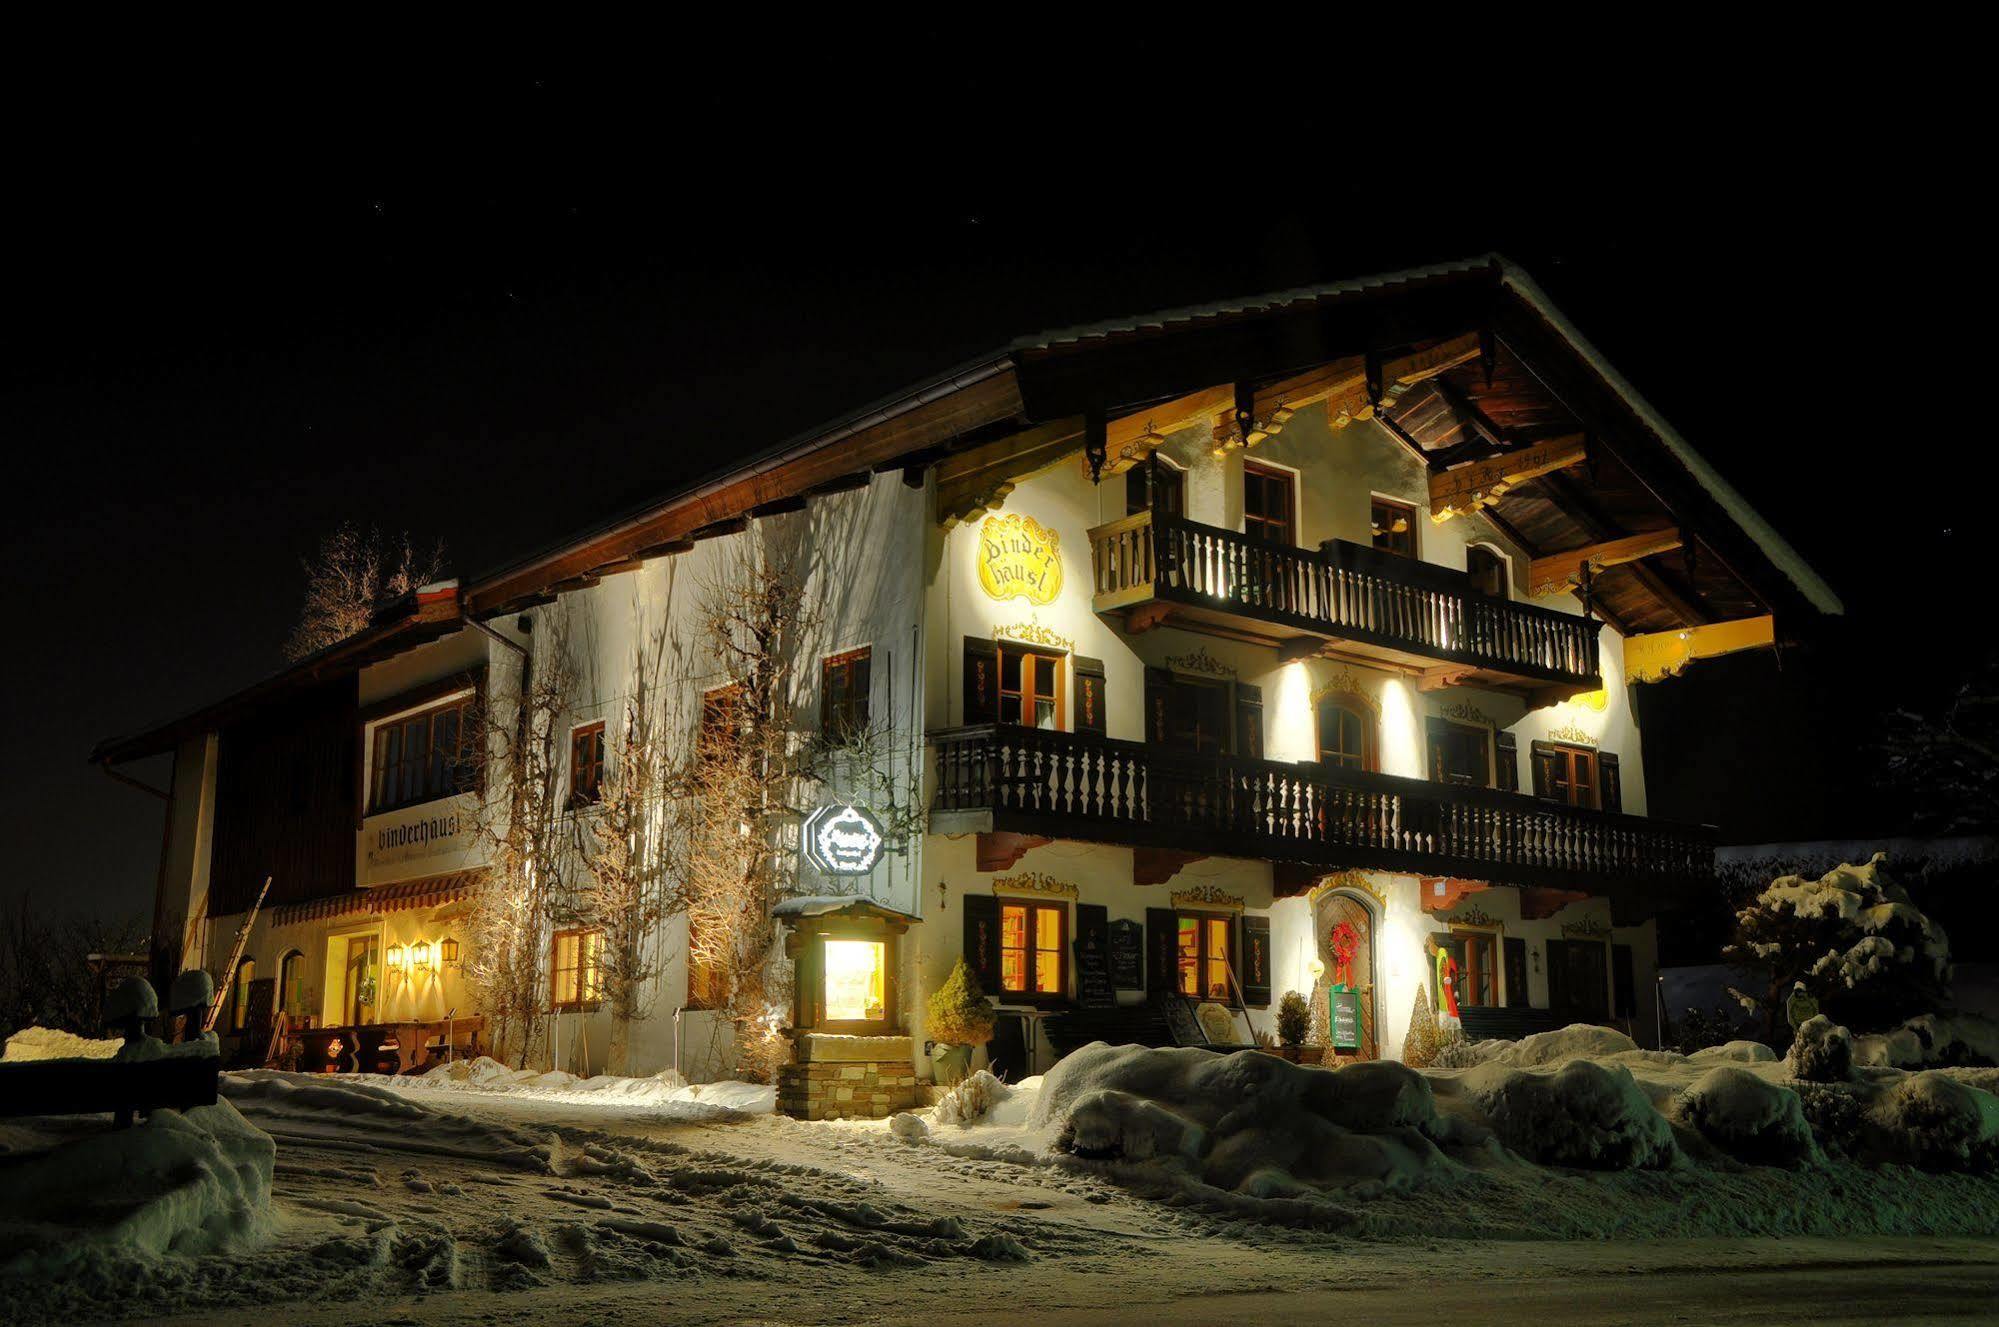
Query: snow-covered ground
(1123,1177)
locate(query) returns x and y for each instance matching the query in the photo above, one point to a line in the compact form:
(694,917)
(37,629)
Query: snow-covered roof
(821,905)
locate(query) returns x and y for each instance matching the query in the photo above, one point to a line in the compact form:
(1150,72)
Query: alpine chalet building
(1286,644)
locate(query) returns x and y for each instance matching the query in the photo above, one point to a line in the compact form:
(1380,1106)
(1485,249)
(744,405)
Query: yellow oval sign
(1019,558)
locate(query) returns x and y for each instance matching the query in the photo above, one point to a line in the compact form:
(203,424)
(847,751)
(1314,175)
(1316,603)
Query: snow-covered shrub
(1294,1019)
(959,1013)
(971,1100)
(1734,1052)
(1462,1054)
(1698,1029)
(1934,1121)
(1822,1052)
(1747,1117)
(1583,1114)
(1866,954)
(1837,1114)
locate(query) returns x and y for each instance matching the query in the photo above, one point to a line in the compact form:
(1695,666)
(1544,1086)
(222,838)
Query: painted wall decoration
(1466,712)
(1207,896)
(1031,632)
(1200,661)
(843,839)
(1035,882)
(1589,928)
(1346,682)
(1472,916)
(1019,558)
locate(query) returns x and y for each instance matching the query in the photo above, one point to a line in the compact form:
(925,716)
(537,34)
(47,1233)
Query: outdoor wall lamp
(420,955)
(450,952)
(397,958)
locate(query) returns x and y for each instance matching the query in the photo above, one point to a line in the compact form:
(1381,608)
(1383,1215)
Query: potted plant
(1294,1024)
(960,1020)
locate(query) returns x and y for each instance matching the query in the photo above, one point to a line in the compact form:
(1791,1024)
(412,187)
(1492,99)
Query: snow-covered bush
(1750,1118)
(971,1100)
(1583,1114)
(1932,1120)
(1822,1052)
(1462,1054)
(1837,1114)
(959,1013)
(1866,954)
(1735,1052)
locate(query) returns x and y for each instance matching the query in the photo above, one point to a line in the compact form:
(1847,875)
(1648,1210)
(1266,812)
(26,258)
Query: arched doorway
(1344,927)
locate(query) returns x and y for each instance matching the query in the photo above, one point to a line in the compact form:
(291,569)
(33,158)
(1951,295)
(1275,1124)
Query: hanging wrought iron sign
(843,839)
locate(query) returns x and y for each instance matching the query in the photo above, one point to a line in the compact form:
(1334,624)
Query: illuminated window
(291,985)
(586,764)
(423,756)
(1394,527)
(574,977)
(1478,976)
(1269,505)
(1033,948)
(239,1003)
(843,694)
(856,980)
(1205,943)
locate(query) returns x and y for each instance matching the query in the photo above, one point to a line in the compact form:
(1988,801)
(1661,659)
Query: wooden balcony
(1097,789)
(1342,598)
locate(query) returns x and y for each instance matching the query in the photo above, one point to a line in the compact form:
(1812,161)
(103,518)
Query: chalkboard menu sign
(1093,959)
(1180,1020)
(1127,956)
(1345,1019)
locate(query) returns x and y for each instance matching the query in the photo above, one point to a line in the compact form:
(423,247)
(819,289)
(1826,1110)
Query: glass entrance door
(363,978)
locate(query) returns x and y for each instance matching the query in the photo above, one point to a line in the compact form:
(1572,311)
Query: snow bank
(1748,1117)
(1246,1123)
(1735,1052)
(189,1183)
(1935,1121)
(1583,1114)
(339,1108)
(666,1091)
(38,1043)
(1577,1041)
(972,1100)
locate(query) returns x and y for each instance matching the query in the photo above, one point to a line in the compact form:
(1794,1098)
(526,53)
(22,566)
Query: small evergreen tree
(1294,1019)
(959,1014)
(1420,1047)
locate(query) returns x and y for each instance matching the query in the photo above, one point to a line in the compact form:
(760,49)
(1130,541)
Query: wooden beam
(1557,571)
(1570,499)
(1131,439)
(979,477)
(1663,654)
(1467,488)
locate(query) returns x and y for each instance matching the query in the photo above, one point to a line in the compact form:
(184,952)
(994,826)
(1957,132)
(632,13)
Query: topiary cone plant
(960,1020)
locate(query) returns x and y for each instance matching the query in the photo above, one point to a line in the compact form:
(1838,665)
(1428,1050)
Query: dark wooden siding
(285,789)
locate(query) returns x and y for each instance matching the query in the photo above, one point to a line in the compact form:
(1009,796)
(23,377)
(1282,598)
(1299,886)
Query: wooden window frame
(1505,570)
(1252,525)
(1057,691)
(586,764)
(397,726)
(1031,910)
(1203,957)
(1431,726)
(844,693)
(1152,470)
(239,991)
(1376,501)
(1491,944)
(1370,729)
(1567,757)
(584,995)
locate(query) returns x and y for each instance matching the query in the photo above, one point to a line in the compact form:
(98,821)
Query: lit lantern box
(851,1057)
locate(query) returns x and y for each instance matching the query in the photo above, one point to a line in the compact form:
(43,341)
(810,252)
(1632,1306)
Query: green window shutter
(1249,720)
(982,940)
(1254,970)
(1610,781)
(1506,755)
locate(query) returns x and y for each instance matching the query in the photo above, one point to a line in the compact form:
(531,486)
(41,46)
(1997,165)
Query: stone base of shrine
(847,1078)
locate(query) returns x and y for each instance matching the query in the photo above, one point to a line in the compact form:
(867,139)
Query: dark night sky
(490,309)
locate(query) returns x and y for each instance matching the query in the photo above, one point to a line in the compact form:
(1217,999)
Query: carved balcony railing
(1344,595)
(1097,789)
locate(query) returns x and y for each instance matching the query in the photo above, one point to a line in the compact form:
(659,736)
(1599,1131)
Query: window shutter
(1558,985)
(1516,972)
(864,695)
(1624,980)
(1254,972)
(1249,720)
(1610,781)
(1544,757)
(1158,691)
(1507,754)
(1090,716)
(1162,947)
(982,940)
(981,681)
(1436,729)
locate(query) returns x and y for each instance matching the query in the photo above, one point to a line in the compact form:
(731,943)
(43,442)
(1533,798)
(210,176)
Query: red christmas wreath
(1345,942)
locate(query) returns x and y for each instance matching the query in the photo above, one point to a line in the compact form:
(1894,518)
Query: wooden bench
(120,1087)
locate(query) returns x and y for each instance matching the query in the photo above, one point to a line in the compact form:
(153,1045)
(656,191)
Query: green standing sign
(1344,1018)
